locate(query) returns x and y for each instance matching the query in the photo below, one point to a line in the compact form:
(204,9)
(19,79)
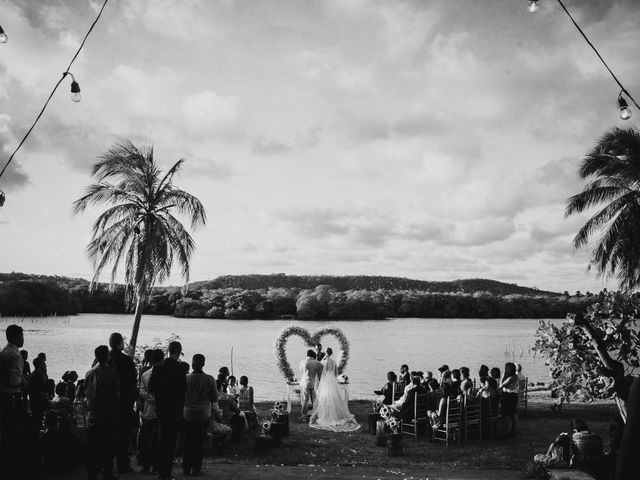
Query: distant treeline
(303,297)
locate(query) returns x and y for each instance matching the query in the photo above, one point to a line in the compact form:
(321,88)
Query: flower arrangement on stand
(264,441)
(279,415)
(266,426)
(394,445)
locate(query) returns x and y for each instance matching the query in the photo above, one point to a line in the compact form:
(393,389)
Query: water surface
(376,345)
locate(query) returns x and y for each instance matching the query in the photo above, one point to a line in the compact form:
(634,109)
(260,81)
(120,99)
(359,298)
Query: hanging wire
(624,90)
(66,72)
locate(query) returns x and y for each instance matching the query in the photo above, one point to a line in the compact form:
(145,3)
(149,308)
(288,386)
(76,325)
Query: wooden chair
(398,390)
(523,397)
(450,428)
(420,416)
(472,417)
(494,416)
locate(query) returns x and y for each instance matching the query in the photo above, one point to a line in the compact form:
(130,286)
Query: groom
(311,369)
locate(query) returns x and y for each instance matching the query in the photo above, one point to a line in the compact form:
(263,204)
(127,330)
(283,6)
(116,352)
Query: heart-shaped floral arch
(310,340)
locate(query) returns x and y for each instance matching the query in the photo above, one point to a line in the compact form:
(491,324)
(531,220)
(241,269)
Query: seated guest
(404,377)
(221,381)
(449,389)
(483,373)
(444,368)
(50,388)
(407,410)
(387,389)
(219,430)
(489,388)
(495,373)
(398,403)
(466,384)
(456,379)
(587,448)
(437,417)
(430,383)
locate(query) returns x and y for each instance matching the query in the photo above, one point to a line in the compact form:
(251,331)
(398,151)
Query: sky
(431,139)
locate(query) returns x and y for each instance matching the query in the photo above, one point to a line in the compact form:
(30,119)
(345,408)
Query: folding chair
(420,417)
(472,417)
(451,427)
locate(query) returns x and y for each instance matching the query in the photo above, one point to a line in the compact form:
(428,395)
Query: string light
(623,108)
(75,88)
(75,94)
(3,36)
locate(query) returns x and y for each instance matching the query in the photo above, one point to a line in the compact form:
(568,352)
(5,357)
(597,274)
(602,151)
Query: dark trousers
(168,437)
(195,433)
(148,443)
(15,433)
(102,437)
(123,437)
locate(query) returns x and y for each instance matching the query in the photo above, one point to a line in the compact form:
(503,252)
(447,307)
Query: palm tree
(613,170)
(138,228)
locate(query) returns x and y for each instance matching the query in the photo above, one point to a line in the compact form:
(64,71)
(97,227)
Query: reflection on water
(377,346)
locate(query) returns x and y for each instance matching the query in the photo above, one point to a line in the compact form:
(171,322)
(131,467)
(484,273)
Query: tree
(138,228)
(613,170)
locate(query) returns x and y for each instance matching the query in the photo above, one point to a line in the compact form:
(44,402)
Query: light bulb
(3,36)
(533,6)
(623,108)
(75,91)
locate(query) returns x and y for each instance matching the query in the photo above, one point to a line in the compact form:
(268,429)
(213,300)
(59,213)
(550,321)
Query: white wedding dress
(330,409)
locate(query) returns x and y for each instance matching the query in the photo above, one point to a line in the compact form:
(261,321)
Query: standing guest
(69,379)
(521,377)
(483,373)
(38,397)
(201,393)
(495,373)
(79,406)
(148,438)
(147,361)
(168,384)
(405,376)
(222,380)
(127,377)
(466,384)
(509,398)
(102,393)
(12,406)
(43,356)
(50,388)
(26,371)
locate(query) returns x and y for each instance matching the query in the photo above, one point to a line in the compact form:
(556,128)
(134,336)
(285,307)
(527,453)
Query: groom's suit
(311,369)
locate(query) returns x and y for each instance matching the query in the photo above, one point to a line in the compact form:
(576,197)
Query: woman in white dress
(330,409)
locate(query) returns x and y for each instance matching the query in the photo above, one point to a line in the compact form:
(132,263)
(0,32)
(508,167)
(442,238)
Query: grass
(305,446)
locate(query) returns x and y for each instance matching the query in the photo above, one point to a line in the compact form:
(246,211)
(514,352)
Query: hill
(364,282)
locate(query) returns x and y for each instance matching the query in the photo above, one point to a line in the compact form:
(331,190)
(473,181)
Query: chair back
(454,411)
(421,406)
(472,409)
(398,390)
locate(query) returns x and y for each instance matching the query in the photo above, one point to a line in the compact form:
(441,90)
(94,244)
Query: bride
(330,409)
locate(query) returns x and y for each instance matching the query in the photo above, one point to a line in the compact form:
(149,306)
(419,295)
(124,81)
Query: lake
(376,346)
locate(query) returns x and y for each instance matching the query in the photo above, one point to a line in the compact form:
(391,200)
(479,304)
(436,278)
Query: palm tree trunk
(136,323)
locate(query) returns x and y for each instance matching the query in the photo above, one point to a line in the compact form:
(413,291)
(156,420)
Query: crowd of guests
(155,410)
(501,390)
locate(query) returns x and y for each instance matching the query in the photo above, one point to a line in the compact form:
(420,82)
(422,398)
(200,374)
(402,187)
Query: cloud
(208,113)
(264,146)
